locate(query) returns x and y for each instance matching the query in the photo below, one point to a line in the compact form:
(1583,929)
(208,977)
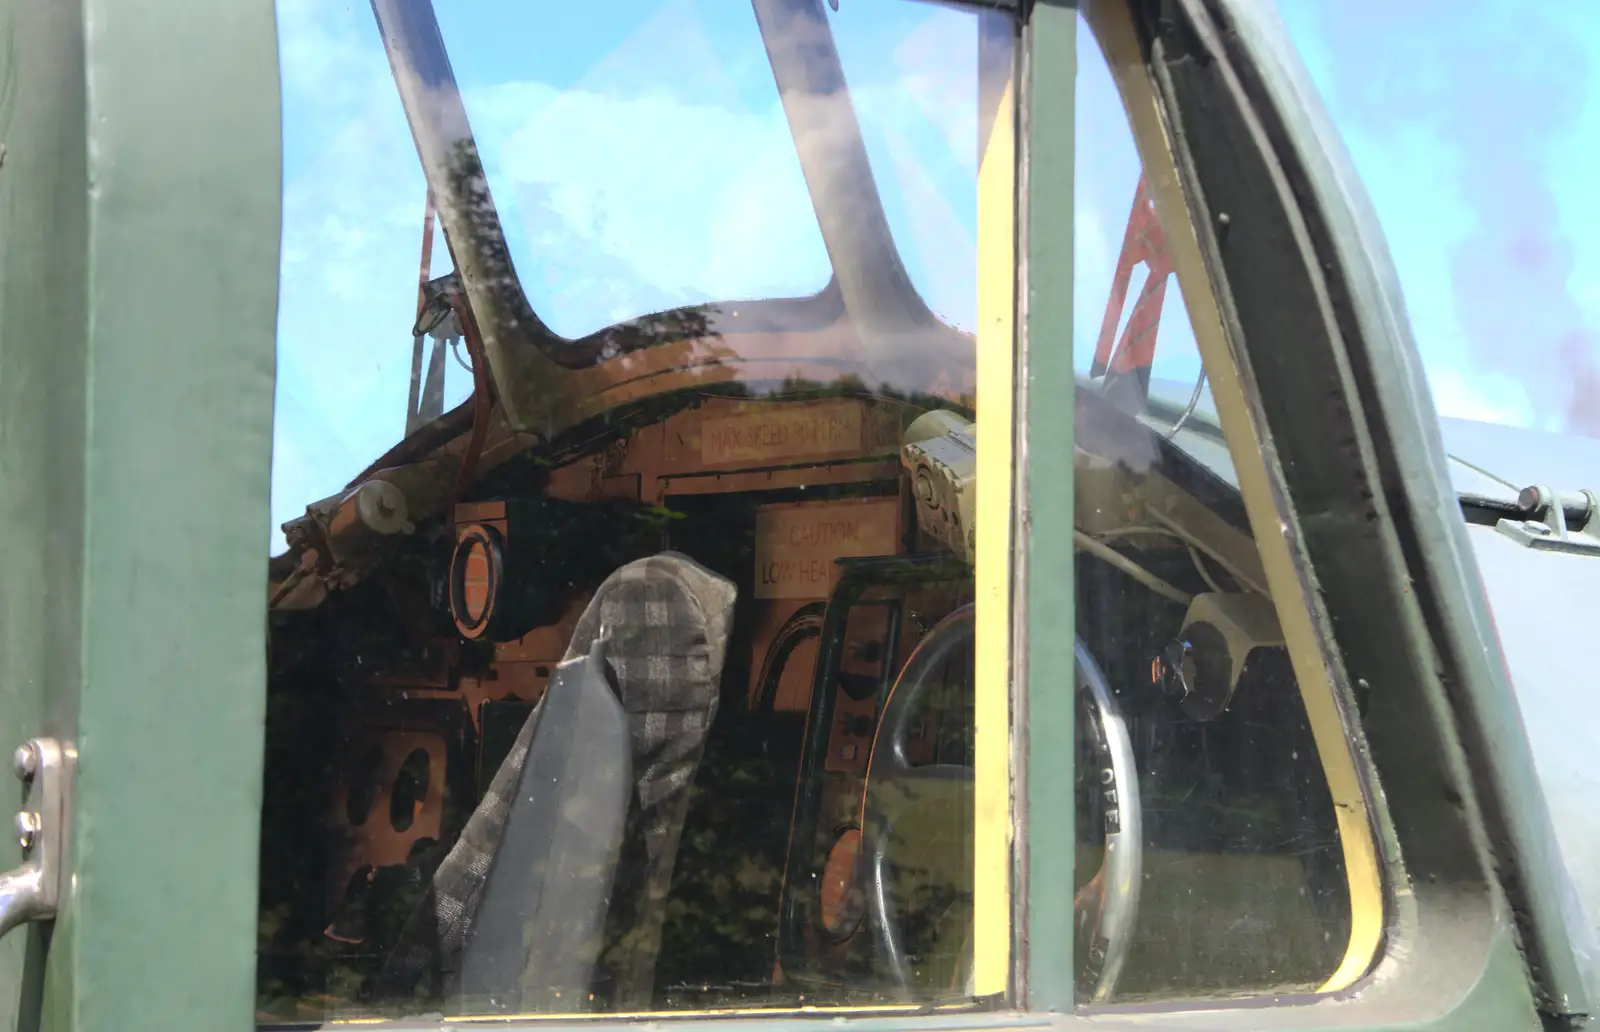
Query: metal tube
(22,897)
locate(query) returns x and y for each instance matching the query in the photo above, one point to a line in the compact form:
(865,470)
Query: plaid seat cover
(668,620)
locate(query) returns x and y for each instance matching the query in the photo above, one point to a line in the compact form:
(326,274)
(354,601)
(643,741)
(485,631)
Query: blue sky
(1476,129)
(1473,126)
(639,161)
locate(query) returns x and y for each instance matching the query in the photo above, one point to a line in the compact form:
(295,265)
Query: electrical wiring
(1197,552)
(1230,569)
(1199,564)
(1106,553)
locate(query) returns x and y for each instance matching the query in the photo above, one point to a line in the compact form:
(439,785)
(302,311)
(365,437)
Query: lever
(33,891)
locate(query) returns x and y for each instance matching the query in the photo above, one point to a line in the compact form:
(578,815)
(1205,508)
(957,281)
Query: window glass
(1217,852)
(639,164)
(353,207)
(638,671)
(1473,138)
(644,679)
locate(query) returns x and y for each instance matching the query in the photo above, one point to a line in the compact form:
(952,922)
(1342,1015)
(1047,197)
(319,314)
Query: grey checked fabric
(668,620)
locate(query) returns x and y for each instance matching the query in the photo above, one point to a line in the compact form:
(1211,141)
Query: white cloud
(664,175)
(352,232)
(936,71)
(1480,396)
(649,202)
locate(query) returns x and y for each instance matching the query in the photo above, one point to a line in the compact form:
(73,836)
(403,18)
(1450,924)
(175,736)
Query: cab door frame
(141,199)
(139,205)
(1334,394)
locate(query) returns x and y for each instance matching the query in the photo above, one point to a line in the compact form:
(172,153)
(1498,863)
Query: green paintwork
(1046,405)
(1249,137)
(140,202)
(43,265)
(136,349)
(1483,703)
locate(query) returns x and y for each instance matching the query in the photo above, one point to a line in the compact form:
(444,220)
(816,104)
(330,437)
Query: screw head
(28,827)
(25,762)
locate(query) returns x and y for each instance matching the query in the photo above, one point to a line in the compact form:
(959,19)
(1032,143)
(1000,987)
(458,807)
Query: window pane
(640,162)
(1222,849)
(1478,174)
(353,205)
(644,680)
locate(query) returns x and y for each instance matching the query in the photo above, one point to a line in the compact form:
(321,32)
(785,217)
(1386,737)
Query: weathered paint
(43,284)
(137,309)
(1047,707)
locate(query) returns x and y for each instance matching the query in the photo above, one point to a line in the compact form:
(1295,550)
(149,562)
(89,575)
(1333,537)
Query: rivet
(28,827)
(25,762)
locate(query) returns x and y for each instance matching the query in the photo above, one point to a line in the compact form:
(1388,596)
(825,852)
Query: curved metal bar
(22,897)
(1123,865)
(888,763)
(1117,779)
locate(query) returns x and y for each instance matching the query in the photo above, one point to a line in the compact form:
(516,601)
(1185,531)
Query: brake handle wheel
(1116,901)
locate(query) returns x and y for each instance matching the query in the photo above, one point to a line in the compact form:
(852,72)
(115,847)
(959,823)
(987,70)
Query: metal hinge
(1568,521)
(32,892)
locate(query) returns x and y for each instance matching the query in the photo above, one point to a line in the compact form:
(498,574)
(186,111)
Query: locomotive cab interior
(648,678)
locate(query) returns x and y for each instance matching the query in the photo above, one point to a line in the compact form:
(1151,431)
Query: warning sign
(782,434)
(796,545)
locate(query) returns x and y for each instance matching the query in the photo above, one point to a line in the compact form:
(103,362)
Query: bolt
(25,762)
(28,827)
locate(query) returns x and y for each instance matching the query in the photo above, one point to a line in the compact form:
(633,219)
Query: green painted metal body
(1044,578)
(43,291)
(139,205)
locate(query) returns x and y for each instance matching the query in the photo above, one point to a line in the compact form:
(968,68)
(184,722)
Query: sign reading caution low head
(796,544)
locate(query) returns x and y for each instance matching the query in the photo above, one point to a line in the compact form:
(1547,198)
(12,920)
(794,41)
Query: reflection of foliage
(1244,887)
(666,327)
(932,913)
(302,695)
(491,264)
(849,385)
(722,913)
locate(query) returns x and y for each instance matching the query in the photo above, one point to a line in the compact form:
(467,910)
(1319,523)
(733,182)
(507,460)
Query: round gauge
(842,901)
(475,570)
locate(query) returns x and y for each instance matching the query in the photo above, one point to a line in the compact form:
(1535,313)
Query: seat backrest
(546,896)
(664,622)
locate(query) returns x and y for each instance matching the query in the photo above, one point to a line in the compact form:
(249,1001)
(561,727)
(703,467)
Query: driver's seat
(526,914)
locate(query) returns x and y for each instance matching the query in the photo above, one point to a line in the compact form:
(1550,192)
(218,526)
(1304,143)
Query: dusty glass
(645,660)
(1214,858)
(635,670)
(1476,174)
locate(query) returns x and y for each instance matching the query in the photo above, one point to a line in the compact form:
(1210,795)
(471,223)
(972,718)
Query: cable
(1119,532)
(1110,555)
(1230,569)
(1196,551)
(1194,399)
(1199,564)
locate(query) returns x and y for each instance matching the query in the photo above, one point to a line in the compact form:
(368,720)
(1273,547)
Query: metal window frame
(1452,962)
(1363,480)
